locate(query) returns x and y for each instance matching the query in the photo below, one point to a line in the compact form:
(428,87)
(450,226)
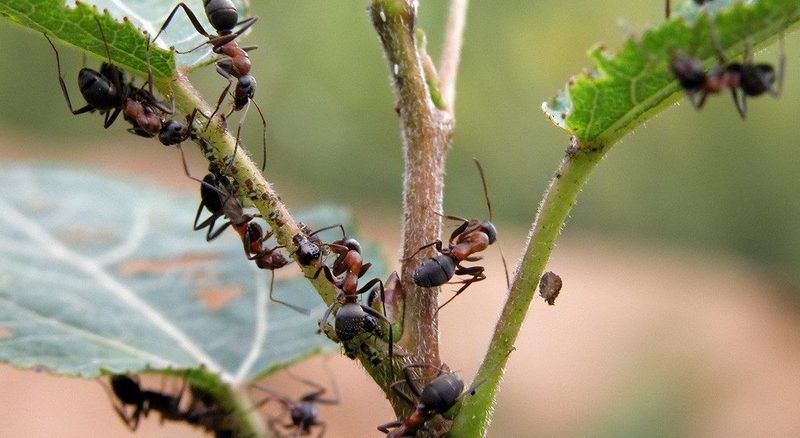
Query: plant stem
(426,135)
(451,53)
(474,415)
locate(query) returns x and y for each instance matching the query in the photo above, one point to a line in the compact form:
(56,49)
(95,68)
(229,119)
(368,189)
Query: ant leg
(477,275)
(297,309)
(324,427)
(436,243)
(111,118)
(132,422)
(239,133)
(390,425)
(667,8)
(325,316)
(249,48)
(211,236)
(781,66)
(264,134)
(340,226)
(224,73)
(364,268)
(192,18)
(395,387)
(221,40)
(86,108)
(741,104)
(700,103)
(336,394)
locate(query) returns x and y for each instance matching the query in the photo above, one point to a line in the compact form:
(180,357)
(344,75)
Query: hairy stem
(426,135)
(451,54)
(475,413)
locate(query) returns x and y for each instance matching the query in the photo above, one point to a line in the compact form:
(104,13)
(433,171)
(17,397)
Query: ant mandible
(304,412)
(223,16)
(668,6)
(471,237)
(437,397)
(753,79)
(352,318)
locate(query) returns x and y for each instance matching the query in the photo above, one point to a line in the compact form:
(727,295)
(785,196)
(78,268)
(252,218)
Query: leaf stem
(451,53)
(475,413)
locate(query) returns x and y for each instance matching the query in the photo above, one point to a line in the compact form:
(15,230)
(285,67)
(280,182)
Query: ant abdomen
(435,271)
(351,321)
(98,91)
(222,14)
(757,79)
(442,392)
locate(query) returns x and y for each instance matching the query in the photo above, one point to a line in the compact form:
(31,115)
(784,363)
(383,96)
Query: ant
(304,412)
(107,92)
(753,79)
(223,16)
(437,397)
(352,318)
(471,237)
(668,6)
(130,393)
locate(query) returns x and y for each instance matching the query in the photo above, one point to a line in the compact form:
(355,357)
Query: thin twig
(451,52)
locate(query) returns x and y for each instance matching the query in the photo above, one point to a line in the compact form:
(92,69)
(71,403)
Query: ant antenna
(489,206)
(103,35)
(264,134)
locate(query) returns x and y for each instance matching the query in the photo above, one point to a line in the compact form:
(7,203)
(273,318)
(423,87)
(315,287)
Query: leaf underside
(99,275)
(630,86)
(123,23)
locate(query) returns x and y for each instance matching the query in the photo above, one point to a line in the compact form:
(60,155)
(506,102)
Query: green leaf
(632,85)
(123,24)
(99,275)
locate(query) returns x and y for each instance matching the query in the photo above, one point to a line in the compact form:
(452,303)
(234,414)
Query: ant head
(756,80)
(489,229)
(688,71)
(246,87)
(254,231)
(172,133)
(126,389)
(303,414)
(442,392)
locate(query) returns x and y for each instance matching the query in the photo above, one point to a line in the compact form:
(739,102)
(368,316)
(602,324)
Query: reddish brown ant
(107,92)
(352,318)
(437,397)
(304,413)
(751,78)
(471,237)
(223,16)
(668,6)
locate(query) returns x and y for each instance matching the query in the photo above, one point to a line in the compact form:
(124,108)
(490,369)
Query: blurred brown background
(679,314)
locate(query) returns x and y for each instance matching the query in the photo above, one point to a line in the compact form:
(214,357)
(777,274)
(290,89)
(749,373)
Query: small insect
(129,393)
(668,6)
(752,79)
(309,246)
(471,237)
(304,412)
(437,397)
(235,65)
(352,318)
(550,286)
(108,93)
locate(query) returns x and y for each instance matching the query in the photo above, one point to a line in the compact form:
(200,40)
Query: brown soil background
(630,315)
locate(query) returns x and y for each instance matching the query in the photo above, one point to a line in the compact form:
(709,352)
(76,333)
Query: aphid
(304,412)
(470,238)
(437,397)
(752,79)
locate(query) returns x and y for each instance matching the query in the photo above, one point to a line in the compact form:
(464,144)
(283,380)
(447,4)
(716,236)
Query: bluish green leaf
(98,274)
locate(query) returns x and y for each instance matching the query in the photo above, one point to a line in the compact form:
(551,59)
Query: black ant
(471,237)
(352,318)
(130,393)
(304,411)
(753,79)
(668,6)
(437,397)
(223,16)
(107,92)
(217,195)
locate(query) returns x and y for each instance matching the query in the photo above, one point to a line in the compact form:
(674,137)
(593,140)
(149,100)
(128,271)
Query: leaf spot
(215,298)
(163,266)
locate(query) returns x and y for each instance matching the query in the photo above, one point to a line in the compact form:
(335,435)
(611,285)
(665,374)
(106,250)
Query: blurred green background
(700,180)
(696,178)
